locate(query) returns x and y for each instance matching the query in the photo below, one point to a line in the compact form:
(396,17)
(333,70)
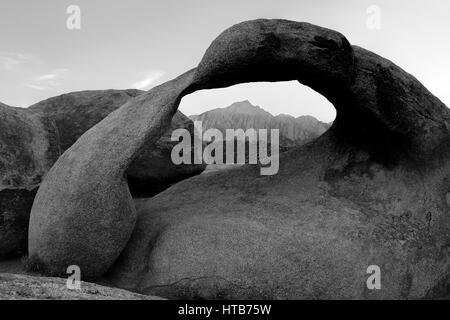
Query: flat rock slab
(24,287)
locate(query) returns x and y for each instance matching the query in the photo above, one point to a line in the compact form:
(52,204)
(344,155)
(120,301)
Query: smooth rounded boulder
(32,139)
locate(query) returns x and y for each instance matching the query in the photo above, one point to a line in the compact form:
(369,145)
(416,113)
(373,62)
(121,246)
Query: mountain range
(244,115)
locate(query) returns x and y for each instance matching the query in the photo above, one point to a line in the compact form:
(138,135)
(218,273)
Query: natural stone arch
(83,213)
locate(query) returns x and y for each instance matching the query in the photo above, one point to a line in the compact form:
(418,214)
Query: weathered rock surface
(90,231)
(22,164)
(70,115)
(24,287)
(370,191)
(32,140)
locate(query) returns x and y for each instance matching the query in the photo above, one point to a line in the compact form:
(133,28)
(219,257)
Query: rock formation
(32,140)
(370,191)
(22,164)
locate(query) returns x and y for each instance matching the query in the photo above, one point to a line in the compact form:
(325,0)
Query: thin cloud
(148,80)
(48,81)
(11,61)
(45,77)
(36,87)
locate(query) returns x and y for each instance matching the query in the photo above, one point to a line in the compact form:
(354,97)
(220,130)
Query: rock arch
(83,213)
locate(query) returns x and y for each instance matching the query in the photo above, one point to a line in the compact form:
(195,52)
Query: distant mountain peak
(284,116)
(306,116)
(244,106)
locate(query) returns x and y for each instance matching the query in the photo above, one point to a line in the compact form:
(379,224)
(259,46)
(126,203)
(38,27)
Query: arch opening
(297,111)
(278,98)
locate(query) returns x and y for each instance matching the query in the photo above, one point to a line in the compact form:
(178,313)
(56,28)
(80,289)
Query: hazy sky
(140,43)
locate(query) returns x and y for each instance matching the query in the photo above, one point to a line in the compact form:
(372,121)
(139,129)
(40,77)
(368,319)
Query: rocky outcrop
(22,165)
(25,287)
(370,191)
(32,140)
(244,115)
